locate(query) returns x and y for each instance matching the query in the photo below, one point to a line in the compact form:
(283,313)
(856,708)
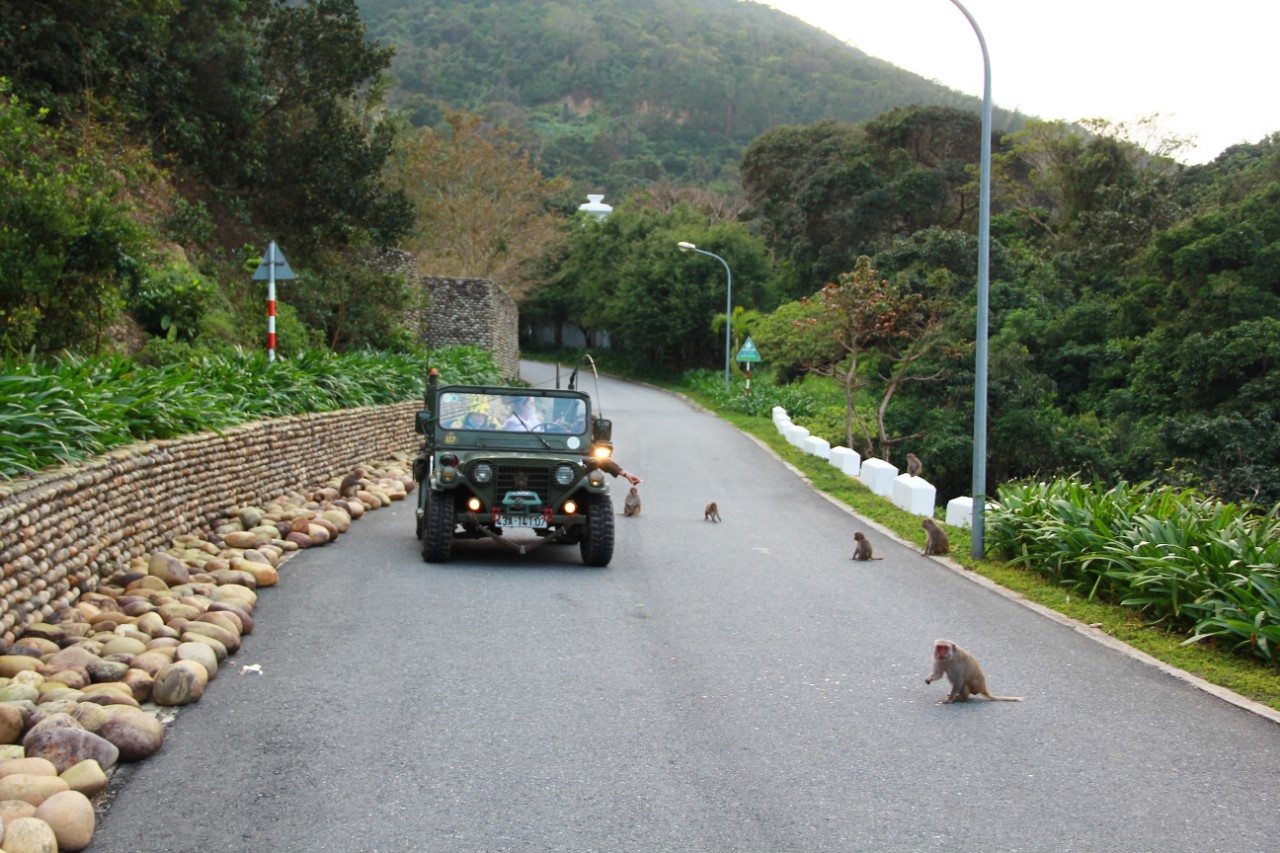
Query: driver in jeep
(523,417)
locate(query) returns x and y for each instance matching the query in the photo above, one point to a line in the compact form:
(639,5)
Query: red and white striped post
(271,301)
(267,271)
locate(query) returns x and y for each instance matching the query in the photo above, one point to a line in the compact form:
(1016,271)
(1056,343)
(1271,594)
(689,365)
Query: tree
(482,209)
(876,320)
(68,245)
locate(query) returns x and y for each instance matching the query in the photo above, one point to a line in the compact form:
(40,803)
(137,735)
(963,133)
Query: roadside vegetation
(67,409)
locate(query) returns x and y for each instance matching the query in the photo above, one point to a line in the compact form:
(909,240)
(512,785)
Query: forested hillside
(622,93)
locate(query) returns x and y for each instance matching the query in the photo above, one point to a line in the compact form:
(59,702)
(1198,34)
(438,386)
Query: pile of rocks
(90,687)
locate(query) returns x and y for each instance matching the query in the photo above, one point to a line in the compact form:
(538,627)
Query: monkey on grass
(862,548)
(935,538)
(964,673)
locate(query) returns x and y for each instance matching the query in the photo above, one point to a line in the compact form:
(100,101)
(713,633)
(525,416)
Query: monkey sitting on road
(711,513)
(935,539)
(963,672)
(351,483)
(862,548)
(631,506)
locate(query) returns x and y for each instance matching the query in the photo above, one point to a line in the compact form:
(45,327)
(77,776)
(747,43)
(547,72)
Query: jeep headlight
(564,475)
(482,473)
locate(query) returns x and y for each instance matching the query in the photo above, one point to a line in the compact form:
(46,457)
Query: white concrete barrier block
(960,512)
(778,411)
(815,446)
(846,459)
(783,425)
(795,435)
(877,475)
(916,495)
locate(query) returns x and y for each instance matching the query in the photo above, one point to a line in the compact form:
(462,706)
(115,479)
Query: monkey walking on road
(935,538)
(711,513)
(962,671)
(862,548)
(631,506)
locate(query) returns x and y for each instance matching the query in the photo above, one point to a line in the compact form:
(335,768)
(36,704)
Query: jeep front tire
(437,530)
(597,539)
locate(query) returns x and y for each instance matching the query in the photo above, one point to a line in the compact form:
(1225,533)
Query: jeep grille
(524,478)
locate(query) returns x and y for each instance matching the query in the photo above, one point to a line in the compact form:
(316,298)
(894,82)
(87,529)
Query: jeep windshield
(476,411)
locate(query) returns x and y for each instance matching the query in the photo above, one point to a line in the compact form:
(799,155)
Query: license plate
(521,521)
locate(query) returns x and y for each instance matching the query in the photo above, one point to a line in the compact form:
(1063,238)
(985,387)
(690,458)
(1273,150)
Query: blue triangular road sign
(273,257)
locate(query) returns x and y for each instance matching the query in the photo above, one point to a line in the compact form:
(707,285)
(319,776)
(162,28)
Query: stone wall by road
(61,532)
(461,311)
(472,311)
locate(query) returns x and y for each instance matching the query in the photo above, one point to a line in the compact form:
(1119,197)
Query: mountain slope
(617,94)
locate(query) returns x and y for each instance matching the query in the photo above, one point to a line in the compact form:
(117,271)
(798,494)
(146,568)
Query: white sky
(1209,69)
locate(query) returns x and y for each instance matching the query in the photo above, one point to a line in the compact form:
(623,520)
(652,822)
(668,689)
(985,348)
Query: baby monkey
(631,506)
(862,548)
(711,513)
(351,483)
(962,671)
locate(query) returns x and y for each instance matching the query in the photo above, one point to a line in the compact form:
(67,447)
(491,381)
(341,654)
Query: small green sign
(748,352)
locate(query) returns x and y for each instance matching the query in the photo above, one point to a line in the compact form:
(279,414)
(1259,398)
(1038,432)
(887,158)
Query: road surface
(740,686)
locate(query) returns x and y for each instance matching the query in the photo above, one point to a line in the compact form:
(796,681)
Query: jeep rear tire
(437,531)
(597,539)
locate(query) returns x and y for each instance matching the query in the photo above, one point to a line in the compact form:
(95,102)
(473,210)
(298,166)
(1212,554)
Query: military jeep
(497,460)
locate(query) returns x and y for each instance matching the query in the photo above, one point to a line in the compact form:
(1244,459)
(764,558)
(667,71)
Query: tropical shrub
(1195,564)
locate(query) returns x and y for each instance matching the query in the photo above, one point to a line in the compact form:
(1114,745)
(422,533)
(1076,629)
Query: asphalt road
(731,687)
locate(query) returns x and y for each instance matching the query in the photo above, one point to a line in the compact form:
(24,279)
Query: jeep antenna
(592,362)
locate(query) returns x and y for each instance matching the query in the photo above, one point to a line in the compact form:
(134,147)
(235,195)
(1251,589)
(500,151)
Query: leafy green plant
(1198,565)
(68,409)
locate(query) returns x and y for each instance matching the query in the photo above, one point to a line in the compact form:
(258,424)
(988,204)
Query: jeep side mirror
(423,423)
(602,431)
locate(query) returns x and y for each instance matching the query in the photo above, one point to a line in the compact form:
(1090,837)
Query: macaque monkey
(963,672)
(862,548)
(631,506)
(935,538)
(711,513)
(913,465)
(351,483)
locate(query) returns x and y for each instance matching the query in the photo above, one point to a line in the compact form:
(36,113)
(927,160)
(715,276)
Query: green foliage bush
(170,302)
(760,403)
(1198,565)
(74,407)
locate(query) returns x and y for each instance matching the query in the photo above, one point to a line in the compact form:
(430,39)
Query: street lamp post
(728,306)
(984,256)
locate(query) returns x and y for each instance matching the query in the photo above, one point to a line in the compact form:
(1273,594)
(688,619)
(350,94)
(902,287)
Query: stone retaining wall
(61,532)
(472,311)
(460,311)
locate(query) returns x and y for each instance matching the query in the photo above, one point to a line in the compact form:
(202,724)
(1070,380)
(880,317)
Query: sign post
(273,267)
(747,355)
